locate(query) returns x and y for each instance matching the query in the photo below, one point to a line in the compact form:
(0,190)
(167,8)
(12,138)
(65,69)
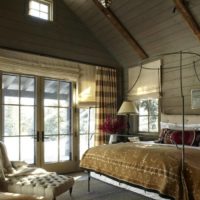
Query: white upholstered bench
(49,185)
(18,177)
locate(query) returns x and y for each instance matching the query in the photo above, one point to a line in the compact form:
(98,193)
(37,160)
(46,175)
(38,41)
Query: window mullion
(58,110)
(19,95)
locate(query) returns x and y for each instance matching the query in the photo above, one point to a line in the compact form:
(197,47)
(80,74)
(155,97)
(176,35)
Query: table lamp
(128,108)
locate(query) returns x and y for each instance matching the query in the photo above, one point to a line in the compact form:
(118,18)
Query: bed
(152,166)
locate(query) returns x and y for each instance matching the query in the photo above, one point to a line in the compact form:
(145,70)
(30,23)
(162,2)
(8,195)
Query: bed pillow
(161,135)
(167,136)
(189,137)
(197,138)
(19,164)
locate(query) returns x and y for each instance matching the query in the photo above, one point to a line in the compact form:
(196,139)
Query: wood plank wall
(171,102)
(66,37)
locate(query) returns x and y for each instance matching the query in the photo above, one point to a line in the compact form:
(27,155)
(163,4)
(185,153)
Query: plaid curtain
(106,99)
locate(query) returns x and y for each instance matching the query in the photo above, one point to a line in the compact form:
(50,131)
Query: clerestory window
(42,9)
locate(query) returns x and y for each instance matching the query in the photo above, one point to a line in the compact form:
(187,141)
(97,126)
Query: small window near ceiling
(148,115)
(42,9)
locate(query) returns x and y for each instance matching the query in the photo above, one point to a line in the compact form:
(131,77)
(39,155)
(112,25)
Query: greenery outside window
(42,9)
(148,115)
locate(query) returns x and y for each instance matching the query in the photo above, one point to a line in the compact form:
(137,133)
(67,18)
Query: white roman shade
(87,85)
(25,63)
(144,81)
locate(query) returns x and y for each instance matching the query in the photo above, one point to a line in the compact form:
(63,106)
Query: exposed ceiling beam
(187,15)
(122,29)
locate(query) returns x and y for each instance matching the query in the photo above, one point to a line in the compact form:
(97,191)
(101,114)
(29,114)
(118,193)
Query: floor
(99,190)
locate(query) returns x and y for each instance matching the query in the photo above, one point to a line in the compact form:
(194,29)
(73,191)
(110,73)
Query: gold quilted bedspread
(151,166)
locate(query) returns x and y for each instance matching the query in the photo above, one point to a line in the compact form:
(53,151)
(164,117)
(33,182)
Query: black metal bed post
(89,181)
(183,117)
(89,128)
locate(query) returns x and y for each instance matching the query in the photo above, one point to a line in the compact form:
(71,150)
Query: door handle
(38,136)
(42,136)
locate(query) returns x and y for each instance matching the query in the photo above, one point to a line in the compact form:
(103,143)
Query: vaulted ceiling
(157,26)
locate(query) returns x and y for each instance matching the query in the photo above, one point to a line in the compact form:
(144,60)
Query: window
(86,128)
(36,115)
(57,120)
(42,9)
(148,115)
(18,116)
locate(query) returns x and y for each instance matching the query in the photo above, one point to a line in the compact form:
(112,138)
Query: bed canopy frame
(181,54)
(182,119)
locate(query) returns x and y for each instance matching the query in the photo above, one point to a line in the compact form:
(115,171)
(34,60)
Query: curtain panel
(106,99)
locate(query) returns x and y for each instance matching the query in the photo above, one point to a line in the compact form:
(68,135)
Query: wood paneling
(171,88)
(188,17)
(122,29)
(81,32)
(152,23)
(66,37)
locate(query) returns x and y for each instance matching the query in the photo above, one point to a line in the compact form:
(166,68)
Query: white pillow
(179,126)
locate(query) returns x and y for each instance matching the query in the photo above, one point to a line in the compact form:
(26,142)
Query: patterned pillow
(161,135)
(189,137)
(167,137)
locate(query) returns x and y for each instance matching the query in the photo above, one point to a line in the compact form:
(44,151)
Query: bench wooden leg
(70,191)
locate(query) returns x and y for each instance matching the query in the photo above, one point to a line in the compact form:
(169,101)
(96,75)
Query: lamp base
(113,138)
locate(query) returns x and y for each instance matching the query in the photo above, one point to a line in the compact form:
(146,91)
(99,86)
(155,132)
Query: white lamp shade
(127,107)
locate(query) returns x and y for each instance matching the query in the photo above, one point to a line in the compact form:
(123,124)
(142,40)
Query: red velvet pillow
(189,137)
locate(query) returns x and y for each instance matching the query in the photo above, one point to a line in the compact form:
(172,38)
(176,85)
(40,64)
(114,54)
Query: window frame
(148,116)
(39,107)
(48,3)
(89,133)
(20,106)
(58,107)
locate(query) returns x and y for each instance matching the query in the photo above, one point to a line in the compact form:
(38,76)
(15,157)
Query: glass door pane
(18,116)
(86,129)
(57,121)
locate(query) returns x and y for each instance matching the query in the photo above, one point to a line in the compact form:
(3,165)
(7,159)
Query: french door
(37,121)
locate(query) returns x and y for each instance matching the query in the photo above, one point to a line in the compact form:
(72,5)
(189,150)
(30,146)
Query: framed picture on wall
(195,98)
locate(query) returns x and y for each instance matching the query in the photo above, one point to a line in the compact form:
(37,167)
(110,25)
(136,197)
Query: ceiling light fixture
(105,3)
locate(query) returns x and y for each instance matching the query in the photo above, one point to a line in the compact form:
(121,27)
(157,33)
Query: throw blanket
(155,167)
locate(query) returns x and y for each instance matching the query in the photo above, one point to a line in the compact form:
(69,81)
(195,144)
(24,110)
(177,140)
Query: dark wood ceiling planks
(123,31)
(189,18)
(153,24)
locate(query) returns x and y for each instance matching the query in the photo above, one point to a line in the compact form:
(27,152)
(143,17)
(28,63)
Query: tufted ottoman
(49,185)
